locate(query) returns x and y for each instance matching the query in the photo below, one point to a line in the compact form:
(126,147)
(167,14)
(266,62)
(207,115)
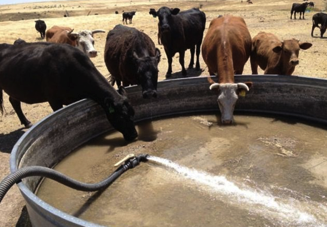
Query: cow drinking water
(179,31)
(135,63)
(275,56)
(225,49)
(59,74)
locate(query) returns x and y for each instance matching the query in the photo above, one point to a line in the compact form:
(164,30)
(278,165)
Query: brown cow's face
(290,51)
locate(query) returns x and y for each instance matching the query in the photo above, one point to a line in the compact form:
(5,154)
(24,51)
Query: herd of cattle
(62,74)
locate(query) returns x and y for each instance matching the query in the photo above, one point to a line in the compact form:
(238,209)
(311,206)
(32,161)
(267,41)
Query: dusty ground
(17,21)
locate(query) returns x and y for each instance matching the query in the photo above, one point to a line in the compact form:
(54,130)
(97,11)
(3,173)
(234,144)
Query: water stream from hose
(285,211)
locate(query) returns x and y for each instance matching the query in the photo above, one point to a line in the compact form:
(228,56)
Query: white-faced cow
(225,49)
(300,8)
(128,16)
(319,18)
(83,40)
(135,63)
(179,31)
(275,56)
(40,26)
(59,74)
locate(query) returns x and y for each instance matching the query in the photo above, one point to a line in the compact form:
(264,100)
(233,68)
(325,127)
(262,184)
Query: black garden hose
(41,171)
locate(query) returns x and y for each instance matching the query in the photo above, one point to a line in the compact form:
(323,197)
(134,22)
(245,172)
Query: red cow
(275,56)
(83,40)
(225,49)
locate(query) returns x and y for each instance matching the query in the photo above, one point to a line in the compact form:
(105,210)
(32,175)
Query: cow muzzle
(93,54)
(149,93)
(294,62)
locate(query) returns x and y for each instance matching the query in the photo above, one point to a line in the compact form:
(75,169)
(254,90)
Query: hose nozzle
(131,160)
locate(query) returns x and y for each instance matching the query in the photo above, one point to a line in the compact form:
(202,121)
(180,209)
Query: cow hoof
(28,125)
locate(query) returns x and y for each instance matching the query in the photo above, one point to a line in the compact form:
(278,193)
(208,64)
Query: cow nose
(148,94)
(226,122)
(93,53)
(165,27)
(294,62)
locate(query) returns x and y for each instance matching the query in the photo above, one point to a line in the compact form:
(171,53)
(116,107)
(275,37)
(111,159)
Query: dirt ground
(17,21)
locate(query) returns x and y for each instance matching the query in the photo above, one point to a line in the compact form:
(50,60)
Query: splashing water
(290,212)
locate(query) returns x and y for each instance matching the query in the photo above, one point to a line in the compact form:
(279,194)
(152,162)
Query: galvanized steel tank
(53,138)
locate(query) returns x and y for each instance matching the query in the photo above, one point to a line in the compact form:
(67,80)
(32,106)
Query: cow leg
(55,105)
(18,109)
(291,14)
(254,66)
(313,27)
(181,61)
(198,49)
(170,61)
(192,50)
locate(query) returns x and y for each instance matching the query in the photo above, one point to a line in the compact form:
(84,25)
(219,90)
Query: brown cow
(83,40)
(275,56)
(225,49)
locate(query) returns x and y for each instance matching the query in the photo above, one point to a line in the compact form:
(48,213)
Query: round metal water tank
(53,138)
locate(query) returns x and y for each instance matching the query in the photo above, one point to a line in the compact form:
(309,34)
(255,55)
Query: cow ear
(277,49)
(175,11)
(305,46)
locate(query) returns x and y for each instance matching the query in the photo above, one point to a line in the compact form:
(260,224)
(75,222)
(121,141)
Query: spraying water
(287,212)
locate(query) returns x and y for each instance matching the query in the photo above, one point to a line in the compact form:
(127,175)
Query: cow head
(148,73)
(120,115)
(227,96)
(85,42)
(289,51)
(165,16)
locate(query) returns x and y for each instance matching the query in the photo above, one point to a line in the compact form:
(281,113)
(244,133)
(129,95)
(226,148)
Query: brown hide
(275,56)
(226,47)
(58,34)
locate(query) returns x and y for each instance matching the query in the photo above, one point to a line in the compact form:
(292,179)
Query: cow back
(121,43)
(226,47)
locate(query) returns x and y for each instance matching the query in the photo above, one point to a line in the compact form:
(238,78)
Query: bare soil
(17,21)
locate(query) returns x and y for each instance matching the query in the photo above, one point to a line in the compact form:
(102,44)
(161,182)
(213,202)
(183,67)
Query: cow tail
(1,102)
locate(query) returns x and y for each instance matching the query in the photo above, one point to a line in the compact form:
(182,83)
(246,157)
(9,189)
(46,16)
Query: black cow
(319,18)
(179,31)
(128,16)
(135,63)
(40,26)
(59,74)
(300,8)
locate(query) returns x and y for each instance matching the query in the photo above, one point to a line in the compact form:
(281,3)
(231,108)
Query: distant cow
(128,16)
(83,40)
(300,8)
(275,56)
(319,18)
(60,75)
(135,63)
(179,31)
(225,49)
(40,26)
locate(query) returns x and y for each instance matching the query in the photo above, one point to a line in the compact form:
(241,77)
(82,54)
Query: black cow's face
(148,73)
(165,16)
(120,115)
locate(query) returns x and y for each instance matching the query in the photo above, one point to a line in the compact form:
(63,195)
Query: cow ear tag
(242,93)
